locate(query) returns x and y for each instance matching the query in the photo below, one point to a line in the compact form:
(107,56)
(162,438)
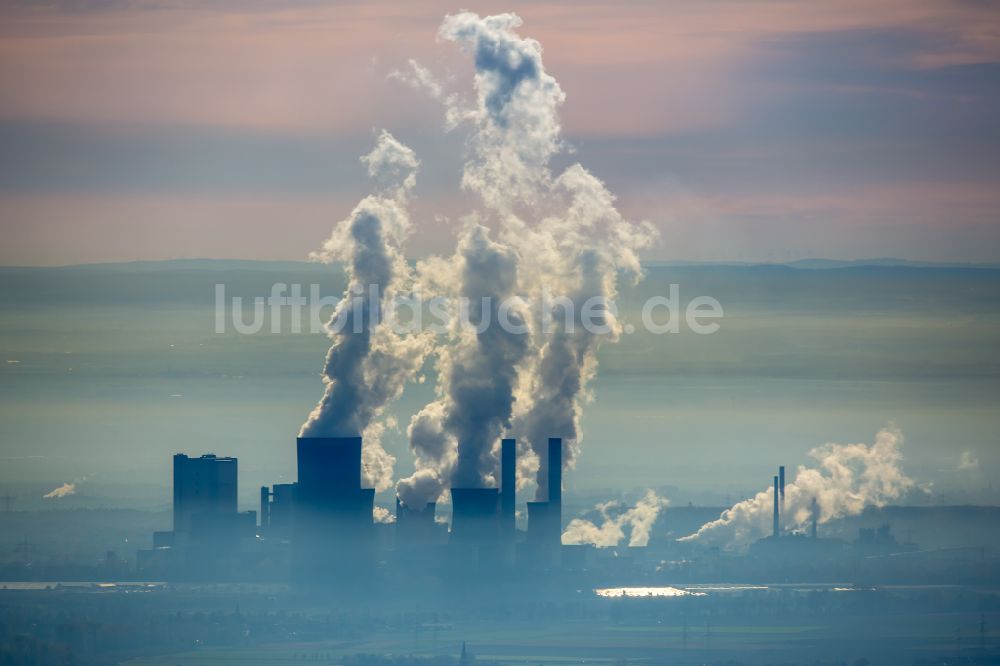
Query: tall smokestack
(265,507)
(777,526)
(508,464)
(815,516)
(554,512)
(781,490)
(555,470)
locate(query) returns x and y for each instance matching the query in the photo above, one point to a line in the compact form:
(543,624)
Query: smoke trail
(849,478)
(515,115)
(639,520)
(515,132)
(572,256)
(454,436)
(564,240)
(65,490)
(968,461)
(369,362)
(588,247)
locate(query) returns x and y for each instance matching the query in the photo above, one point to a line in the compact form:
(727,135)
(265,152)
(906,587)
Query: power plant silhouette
(323,526)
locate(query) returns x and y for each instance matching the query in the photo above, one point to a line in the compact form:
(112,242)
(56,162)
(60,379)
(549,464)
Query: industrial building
(321,528)
(208,529)
(204,486)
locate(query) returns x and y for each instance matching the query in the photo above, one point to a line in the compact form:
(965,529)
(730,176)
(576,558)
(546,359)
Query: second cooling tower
(545,517)
(475,514)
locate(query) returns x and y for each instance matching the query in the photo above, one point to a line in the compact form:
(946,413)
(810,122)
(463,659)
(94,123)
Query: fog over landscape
(404,334)
(144,338)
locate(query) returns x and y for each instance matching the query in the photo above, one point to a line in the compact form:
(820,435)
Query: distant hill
(822,264)
(206,264)
(188,265)
(814,284)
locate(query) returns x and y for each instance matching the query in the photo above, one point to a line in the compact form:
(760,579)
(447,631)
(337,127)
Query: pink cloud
(644,69)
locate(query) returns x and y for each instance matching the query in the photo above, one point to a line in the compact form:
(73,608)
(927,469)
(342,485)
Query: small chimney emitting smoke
(777,525)
(265,507)
(781,492)
(508,465)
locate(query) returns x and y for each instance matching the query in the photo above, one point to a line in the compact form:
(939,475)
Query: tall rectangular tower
(555,470)
(508,477)
(781,497)
(554,510)
(202,486)
(776,528)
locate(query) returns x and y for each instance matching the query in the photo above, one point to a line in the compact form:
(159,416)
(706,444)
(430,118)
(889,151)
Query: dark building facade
(204,487)
(333,530)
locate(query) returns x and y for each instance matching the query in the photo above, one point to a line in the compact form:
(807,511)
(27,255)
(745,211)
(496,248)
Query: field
(888,640)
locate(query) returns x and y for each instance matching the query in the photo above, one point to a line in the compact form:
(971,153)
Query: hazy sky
(749,131)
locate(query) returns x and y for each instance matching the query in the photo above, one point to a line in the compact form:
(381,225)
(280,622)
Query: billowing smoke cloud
(968,461)
(65,490)
(849,477)
(370,361)
(515,114)
(578,257)
(454,437)
(559,238)
(639,521)
(418,77)
(382,515)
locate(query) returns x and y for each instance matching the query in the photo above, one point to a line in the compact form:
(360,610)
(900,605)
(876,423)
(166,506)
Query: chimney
(776,519)
(508,452)
(265,507)
(555,470)
(781,492)
(554,511)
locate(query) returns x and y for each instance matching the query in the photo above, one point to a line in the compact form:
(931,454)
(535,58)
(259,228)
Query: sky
(751,131)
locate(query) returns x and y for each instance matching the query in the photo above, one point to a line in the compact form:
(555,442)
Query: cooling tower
(414,526)
(333,530)
(539,525)
(329,468)
(475,514)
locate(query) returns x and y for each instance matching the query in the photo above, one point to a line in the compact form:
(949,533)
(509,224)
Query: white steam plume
(577,257)
(65,490)
(369,362)
(849,478)
(572,241)
(454,436)
(515,115)
(418,77)
(558,236)
(639,520)
(968,461)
